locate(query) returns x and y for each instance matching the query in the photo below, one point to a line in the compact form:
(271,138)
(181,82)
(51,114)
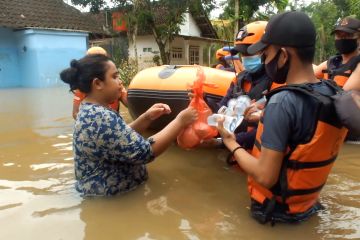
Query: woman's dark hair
(82,72)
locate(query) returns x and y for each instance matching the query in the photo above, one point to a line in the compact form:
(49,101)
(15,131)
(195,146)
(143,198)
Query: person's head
(221,55)
(96,50)
(347,35)
(247,36)
(93,75)
(288,42)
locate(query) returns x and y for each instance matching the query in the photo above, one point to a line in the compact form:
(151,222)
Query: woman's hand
(157,110)
(187,116)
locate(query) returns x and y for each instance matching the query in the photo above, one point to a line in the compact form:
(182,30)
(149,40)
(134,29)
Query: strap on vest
(297,192)
(296,165)
(238,86)
(350,65)
(257,144)
(257,91)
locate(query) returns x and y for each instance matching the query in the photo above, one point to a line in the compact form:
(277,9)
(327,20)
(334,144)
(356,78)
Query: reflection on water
(190,194)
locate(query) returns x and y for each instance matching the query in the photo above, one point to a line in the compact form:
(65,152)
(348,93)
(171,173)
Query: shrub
(127,70)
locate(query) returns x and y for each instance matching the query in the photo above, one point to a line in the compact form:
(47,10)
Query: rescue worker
(344,68)
(253,81)
(227,61)
(222,63)
(344,65)
(298,137)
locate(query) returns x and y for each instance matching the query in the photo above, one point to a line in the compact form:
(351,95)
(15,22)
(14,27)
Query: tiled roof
(45,14)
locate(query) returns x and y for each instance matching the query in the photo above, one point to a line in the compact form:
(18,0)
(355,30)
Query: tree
(143,14)
(325,14)
(249,10)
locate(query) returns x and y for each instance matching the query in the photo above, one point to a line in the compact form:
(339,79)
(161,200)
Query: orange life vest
(338,72)
(306,166)
(242,86)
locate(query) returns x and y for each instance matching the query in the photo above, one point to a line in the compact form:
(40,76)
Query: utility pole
(237,10)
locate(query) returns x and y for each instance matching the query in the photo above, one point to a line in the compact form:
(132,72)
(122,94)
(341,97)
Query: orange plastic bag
(195,133)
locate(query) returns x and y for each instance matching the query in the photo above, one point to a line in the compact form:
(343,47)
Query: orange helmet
(220,53)
(96,50)
(249,34)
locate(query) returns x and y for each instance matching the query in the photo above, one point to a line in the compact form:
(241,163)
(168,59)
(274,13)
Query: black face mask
(277,75)
(345,46)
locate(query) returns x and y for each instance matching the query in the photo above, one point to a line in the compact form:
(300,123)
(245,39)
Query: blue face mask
(252,63)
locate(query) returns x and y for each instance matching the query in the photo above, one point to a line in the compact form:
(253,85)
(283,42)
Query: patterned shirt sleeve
(122,143)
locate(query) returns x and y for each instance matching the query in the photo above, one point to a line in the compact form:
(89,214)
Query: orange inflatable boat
(170,84)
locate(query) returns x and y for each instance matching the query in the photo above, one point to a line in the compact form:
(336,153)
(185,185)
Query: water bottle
(213,119)
(230,123)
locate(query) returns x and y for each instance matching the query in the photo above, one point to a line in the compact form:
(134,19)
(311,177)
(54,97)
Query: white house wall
(145,59)
(190,27)
(185,44)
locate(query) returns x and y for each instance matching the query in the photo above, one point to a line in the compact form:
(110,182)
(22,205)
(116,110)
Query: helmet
(220,53)
(249,34)
(96,50)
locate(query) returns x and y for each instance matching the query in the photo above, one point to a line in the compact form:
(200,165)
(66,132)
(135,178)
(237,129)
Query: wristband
(229,159)
(237,148)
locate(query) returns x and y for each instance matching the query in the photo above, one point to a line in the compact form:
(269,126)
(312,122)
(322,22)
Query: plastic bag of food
(195,133)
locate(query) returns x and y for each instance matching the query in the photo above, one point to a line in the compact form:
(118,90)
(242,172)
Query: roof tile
(45,14)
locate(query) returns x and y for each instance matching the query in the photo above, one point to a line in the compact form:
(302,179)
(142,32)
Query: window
(176,53)
(147,49)
(194,55)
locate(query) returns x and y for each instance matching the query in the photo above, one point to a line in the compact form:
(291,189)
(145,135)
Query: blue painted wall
(9,65)
(38,56)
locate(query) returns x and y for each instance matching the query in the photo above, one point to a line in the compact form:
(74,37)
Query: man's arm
(264,170)
(353,83)
(318,70)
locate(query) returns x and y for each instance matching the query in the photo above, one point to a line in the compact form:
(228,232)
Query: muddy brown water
(190,194)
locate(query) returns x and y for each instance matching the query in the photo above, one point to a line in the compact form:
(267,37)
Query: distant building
(191,46)
(38,38)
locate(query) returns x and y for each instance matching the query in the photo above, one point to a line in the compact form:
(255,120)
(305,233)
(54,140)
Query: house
(38,38)
(193,45)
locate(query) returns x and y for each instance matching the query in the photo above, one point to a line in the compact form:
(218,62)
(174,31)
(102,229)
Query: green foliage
(248,8)
(127,71)
(156,60)
(325,14)
(141,13)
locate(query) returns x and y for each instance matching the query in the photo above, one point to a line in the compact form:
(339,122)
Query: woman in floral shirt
(110,156)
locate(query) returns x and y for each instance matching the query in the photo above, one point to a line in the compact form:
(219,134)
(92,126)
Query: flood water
(189,195)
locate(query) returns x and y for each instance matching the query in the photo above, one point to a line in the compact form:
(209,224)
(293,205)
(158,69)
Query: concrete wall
(38,56)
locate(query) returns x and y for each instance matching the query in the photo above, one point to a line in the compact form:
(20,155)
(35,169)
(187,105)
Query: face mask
(345,46)
(277,75)
(252,63)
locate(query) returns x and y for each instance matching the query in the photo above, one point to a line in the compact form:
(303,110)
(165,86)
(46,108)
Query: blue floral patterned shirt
(110,156)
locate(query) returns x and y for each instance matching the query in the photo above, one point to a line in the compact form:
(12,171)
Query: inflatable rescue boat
(170,84)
